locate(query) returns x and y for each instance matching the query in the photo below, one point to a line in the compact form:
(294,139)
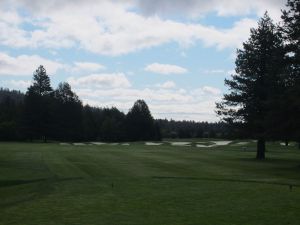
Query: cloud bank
(24,65)
(111,27)
(117,80)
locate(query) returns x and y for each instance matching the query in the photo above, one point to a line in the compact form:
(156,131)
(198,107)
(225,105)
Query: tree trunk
(261,148)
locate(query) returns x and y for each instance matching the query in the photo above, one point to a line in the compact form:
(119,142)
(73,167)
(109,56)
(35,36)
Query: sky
(174,54)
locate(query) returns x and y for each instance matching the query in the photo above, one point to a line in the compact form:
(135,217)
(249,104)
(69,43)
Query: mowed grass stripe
(140,184)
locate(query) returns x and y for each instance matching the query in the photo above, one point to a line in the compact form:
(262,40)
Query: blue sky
(174,54)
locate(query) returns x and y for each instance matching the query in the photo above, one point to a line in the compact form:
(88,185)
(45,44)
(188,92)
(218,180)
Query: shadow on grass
(270,160)
(7,183)
(290,185)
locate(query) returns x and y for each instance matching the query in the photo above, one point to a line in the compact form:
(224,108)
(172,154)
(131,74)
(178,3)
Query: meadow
(154,184)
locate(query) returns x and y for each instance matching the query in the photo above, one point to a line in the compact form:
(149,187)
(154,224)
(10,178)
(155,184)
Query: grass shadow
(290,185)
(7,183)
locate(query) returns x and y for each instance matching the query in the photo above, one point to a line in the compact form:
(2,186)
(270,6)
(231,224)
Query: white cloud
(196,8)
(231,72)
(215,71)
(24,65)
(19,84)
(219,72)
(165,69)
(88,66)
(114,80)
(211,90)
(131,94)
(110,28)
(166,85)
(165,7)
(197,104)
(206,91)
(10,17)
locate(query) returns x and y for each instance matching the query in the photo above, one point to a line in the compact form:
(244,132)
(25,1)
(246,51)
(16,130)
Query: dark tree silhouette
(41,83)
(291,98)
(92,118)
(140,123)
(113,125)
(257,80)
(37,113)
(68,114)
(10,111)
(192,129)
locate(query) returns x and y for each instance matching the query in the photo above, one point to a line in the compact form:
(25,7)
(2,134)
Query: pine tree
(254,86)
(140,123)
(291,99)
(37,115)
(68,114)
(41,83)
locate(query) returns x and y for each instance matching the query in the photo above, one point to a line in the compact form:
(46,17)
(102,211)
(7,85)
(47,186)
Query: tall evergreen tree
(37,113)
(257,80)
(67,114)
(41,83)
(291,98)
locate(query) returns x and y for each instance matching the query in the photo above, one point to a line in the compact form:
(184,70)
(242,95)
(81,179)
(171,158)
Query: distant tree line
(264,97)
(46,114)
(43,113)
(192,129)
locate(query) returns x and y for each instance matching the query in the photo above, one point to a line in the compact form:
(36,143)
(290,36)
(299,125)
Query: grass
(50,184)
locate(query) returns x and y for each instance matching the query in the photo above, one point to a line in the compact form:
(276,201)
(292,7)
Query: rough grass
(52,184)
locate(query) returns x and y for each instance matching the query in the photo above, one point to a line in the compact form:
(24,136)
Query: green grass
(49,184)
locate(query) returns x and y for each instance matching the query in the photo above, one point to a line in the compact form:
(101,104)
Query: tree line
(43,113)
(192,129)
(46,114)
(264,94)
